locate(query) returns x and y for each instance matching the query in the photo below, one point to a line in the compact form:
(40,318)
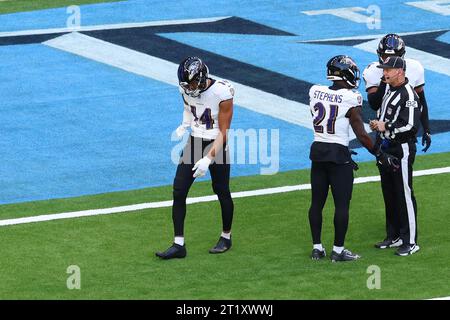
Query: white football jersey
(414,72)
(328,109)
(204,109)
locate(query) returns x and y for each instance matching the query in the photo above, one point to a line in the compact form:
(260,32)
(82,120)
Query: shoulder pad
(353,97)
(372,75)
(225,90)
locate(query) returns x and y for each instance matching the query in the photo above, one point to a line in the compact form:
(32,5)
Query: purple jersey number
(321,113)
(205,118)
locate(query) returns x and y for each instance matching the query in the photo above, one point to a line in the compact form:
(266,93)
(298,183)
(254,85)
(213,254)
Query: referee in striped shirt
(397,124)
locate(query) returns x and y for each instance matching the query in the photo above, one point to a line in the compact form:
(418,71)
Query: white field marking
(441,7)
(109,26)
(429,61)
(168,203)
(165,71)
(370,36)
(441,298)
(349,13)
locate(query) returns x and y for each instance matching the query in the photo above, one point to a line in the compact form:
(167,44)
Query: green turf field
(269,258)
(9,6)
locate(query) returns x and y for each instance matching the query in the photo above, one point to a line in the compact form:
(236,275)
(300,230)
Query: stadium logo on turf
(74,280)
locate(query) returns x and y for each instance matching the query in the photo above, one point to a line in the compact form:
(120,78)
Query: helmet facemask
(193,76)
(343,68)
(353,78)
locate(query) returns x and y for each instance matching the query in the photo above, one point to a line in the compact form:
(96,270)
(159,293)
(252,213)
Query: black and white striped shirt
(401,111)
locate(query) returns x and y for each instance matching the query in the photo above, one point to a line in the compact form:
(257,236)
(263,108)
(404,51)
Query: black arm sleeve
(424,117)
(375,99)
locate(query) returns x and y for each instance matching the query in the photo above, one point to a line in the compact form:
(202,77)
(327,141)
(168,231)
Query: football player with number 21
(334,108)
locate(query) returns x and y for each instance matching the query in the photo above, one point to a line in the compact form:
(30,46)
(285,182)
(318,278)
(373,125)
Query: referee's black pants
(398,194)
(195,149)
(340,178)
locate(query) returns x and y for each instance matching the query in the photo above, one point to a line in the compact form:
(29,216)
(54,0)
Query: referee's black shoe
(407,249)
(345,255)
(389,243)
(222,245)
(175,251)
(318,254)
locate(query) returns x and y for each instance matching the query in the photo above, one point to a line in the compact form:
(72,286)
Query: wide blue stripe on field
(285,15)
(72,126)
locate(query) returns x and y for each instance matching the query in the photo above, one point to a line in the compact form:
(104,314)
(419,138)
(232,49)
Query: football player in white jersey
(334,109)
(208,110)
(393,45)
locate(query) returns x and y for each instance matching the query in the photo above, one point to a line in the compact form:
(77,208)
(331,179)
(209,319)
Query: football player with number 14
(208,110)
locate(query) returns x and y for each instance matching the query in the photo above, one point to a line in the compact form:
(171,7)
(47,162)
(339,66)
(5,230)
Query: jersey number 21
(322,114)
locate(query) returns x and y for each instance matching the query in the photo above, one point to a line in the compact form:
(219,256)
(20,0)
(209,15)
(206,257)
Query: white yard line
(108,26)
(168,203)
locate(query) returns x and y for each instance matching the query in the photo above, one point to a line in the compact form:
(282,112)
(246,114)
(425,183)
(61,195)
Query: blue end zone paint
(286,15)
(73,127)
(113,134)
(80,127)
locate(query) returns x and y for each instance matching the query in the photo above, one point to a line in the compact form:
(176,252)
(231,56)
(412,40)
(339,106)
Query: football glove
(387,161)
(201,166)
(426,141)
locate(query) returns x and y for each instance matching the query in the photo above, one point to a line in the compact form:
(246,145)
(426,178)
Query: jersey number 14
(205,118)
(321,114)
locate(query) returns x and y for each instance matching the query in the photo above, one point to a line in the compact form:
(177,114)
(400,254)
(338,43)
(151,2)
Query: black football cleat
(317,254)
(389,243)
(175,251)
(407,249)
(221,246)
(345,255)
